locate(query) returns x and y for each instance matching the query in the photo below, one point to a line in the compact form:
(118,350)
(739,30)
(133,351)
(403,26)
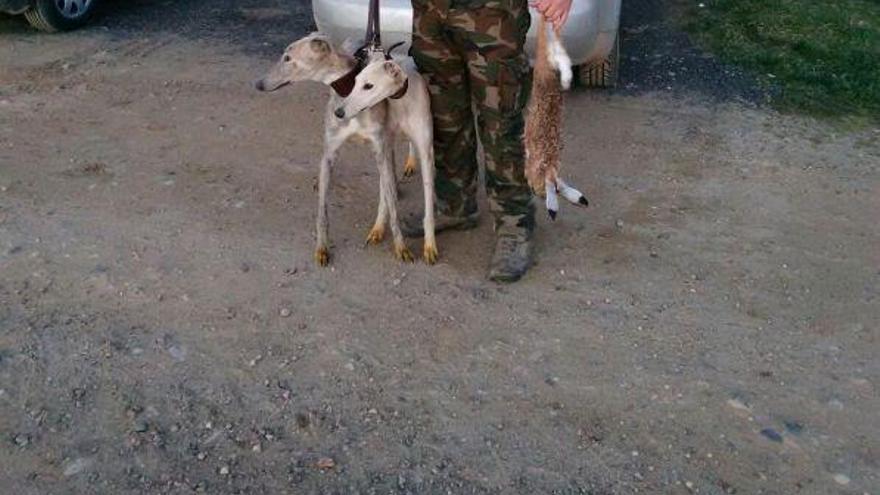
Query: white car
(590,35)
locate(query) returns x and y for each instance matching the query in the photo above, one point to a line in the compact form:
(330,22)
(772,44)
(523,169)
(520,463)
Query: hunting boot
(513,249)
(412,225)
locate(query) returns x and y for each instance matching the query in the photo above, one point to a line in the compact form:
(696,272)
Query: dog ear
(394,70)
(320,46)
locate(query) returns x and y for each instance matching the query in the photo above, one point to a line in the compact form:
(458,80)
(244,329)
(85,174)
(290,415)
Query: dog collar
(399,94)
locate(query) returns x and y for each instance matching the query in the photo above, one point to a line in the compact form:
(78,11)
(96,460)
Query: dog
(314,58)
(399,84)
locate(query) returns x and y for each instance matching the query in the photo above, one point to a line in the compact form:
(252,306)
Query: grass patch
(823,55)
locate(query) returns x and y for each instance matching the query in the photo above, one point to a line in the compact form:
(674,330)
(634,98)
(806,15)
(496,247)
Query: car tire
(603,73)
(59,15)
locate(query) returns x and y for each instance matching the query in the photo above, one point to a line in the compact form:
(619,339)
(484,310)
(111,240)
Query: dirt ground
(708,326)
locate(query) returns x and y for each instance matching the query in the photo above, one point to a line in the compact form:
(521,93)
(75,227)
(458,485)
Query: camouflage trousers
(472,55)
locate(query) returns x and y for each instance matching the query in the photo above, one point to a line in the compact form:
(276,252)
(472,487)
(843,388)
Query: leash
(373,38)
(372,43)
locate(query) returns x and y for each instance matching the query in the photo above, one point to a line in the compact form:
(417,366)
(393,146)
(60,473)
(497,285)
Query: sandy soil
(709,325)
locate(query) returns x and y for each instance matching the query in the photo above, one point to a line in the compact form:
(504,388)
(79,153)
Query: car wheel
(59,15)
(603,73)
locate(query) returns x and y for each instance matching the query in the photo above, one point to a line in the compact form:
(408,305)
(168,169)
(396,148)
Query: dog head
(378,80)
(309,59)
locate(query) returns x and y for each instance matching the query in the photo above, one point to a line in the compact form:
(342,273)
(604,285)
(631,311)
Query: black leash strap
(345,84)
(373,38)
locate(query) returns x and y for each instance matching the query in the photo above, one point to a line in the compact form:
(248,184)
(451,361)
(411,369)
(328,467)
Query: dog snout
(340,113)
(260,85)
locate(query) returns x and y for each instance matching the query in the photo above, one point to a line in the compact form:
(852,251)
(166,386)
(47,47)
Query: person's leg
(440,61)
(493,34)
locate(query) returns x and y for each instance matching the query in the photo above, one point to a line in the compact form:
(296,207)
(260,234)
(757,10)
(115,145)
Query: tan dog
(399,84)
(313,58)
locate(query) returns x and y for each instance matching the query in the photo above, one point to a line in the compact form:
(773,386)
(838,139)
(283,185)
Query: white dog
(373,113)
(399,84)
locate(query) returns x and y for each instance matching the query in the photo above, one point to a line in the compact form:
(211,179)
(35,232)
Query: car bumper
(14,6)
(588,35)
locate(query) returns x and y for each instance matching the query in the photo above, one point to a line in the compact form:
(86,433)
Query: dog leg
(388,184)
(426,156)
(377,233)
(409,168)
(322,246)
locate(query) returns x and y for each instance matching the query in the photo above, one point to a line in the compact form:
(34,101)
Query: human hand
(554,11)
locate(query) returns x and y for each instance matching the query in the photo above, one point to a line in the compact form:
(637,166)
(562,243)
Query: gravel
(657,56)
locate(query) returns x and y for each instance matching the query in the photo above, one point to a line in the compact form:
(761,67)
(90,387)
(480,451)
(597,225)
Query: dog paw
(430,254)
(409,168)
(377,233)
(403,253)
(322,256)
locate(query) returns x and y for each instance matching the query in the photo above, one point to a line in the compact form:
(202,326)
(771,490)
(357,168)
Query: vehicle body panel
(588,35)
(14,6)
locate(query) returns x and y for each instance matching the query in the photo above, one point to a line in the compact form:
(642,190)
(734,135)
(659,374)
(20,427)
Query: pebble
(224,470)
(177,352)
(794,427)
(325,463)
(22,440)
(772,434)
(77,466)
(841,479)
(302,420)
(738,404)
(285,312)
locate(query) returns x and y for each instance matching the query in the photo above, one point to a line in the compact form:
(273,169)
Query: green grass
(823,55)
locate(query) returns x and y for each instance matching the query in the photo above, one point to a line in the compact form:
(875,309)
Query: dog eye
(287,58)
(368,86)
